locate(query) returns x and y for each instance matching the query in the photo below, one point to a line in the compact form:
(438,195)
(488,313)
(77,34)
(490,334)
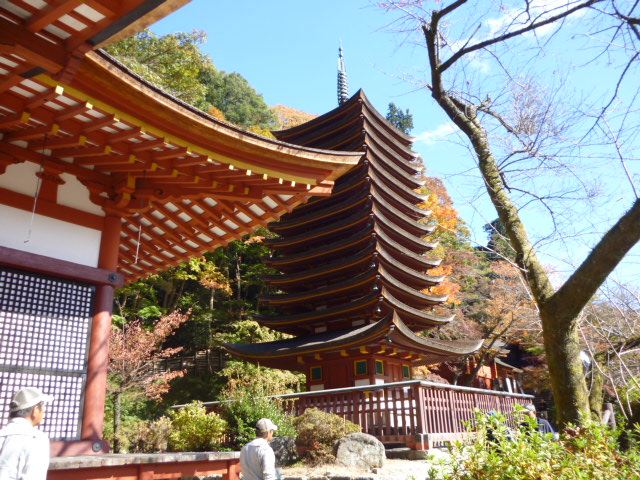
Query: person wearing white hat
(257,460)
(24,450)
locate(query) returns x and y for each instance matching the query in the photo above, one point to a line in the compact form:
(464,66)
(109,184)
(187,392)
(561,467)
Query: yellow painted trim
(175,172)
(364,350)
(107,149)
(343,353)
(24,117)
(408,367)
(132,158)
(317,356)
(381,363)
(154,166)
(169,138)
(55,128)
(300,360)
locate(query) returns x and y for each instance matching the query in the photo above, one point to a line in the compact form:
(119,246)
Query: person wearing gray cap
(24,450)
(257,460)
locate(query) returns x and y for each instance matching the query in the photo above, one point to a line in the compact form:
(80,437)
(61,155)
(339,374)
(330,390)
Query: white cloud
(439,133)
(512,19)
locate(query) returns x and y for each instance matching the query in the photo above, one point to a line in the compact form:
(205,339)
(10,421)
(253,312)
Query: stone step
(390,445)
(406,453)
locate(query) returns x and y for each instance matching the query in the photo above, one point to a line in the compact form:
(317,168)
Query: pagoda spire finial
(343,85)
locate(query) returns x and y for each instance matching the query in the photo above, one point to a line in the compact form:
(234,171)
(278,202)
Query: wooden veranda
(420,414)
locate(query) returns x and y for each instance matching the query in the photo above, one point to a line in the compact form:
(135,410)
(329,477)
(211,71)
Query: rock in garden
(285,450)
(359,450)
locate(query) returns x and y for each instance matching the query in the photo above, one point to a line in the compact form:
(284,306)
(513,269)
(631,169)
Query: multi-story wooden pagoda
(354,276)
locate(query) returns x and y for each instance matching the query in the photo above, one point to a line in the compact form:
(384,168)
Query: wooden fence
(420,414)
(204,361)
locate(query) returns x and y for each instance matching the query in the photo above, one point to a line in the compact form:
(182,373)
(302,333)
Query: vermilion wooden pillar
(96,388)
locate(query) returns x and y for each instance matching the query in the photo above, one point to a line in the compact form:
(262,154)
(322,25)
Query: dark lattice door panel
(45,325)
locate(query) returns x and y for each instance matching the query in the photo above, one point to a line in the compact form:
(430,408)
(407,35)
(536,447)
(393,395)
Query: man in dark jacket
(543,425)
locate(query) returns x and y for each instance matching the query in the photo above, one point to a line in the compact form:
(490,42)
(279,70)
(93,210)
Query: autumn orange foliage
(440,204)
(445,287)
(133,352)
(290,117)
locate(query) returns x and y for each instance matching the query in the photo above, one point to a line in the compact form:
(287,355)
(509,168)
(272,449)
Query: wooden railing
(203,361)
(416,412)
(421,414)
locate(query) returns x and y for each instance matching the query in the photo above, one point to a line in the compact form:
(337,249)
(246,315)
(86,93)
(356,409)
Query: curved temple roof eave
(115,78)
(390,327)
(125,104)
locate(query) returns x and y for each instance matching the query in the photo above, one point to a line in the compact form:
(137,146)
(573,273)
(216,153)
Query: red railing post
(420,408)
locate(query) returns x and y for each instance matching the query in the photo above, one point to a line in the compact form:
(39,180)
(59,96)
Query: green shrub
(195,430)
(149,436)
(318,431)
(243,412)
(589,452)
(248,396)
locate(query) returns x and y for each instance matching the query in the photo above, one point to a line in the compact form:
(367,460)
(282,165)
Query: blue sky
(288,50)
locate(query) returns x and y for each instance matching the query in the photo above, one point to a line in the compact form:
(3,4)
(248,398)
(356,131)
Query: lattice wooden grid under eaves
(44,339)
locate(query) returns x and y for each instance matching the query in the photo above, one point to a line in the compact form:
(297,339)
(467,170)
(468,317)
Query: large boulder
(359,450)
(285,450)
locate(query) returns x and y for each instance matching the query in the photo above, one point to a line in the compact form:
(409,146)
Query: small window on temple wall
(406,371)
(379,367)
(360,367)
(316,373)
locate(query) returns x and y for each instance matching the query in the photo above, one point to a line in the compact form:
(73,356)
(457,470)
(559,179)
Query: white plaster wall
(21,178)
(75,195)
(49,237)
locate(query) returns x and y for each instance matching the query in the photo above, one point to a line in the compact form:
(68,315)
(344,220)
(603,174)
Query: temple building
(105,179)
(354,283)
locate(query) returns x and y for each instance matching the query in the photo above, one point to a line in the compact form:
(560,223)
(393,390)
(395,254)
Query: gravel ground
(392,470)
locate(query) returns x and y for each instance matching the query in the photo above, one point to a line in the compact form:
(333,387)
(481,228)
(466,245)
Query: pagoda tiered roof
(385,337)
(353,271)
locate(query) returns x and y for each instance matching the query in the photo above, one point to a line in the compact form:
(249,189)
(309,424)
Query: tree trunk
(562,348)
(596,392)
(117,421)
(559,310)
